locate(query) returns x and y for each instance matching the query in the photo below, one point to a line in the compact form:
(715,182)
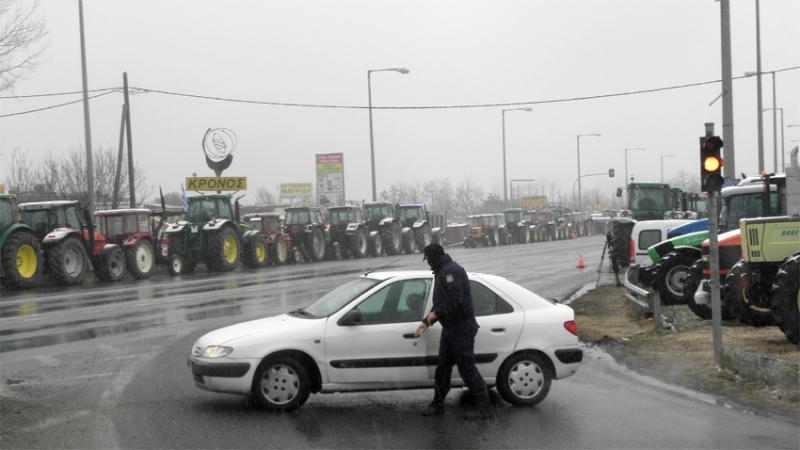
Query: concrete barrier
(761,366)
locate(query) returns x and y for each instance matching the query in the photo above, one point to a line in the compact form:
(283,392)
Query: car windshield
(336,299)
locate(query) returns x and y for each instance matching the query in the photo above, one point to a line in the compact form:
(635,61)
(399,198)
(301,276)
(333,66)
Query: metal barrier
(647,302)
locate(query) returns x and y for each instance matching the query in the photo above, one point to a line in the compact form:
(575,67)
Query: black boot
(436,407)
(482,411)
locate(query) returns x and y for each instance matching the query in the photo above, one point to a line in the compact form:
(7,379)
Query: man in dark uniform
(452,307)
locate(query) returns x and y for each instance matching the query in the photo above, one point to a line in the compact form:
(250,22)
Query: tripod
(614,267)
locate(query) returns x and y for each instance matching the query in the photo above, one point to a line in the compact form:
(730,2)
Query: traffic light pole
(716,301)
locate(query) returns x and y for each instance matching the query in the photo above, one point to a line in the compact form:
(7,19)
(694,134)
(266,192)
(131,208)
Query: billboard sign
(330,179)
(296,189)
(534,202)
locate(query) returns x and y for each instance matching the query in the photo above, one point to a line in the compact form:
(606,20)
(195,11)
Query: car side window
(485,302)
(399,302)
(649,238)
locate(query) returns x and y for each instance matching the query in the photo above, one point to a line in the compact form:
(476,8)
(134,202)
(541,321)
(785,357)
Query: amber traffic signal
(711,164)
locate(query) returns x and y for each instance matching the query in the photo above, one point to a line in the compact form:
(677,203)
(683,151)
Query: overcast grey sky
(460,53)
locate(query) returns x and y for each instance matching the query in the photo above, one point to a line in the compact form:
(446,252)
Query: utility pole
(729,169)
(131,180)
(86,122)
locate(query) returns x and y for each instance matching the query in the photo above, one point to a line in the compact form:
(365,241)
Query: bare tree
(63,176)
(442,194)
(22,176)
(686,181)
(265,197)
(468,195)
(22,34)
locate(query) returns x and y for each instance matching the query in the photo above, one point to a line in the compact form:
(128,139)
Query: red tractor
(131,229)
(279,245)
(70,244)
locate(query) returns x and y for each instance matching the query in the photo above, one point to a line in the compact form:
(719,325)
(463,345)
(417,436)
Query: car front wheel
(524,380)
(281,384)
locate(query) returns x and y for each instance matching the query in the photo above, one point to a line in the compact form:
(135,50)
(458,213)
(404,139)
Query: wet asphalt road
(104,366)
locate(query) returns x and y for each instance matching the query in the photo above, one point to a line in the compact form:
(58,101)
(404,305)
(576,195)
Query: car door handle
(409,336)
(498,330)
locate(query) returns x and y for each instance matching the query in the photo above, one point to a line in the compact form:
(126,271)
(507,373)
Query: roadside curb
(760,366)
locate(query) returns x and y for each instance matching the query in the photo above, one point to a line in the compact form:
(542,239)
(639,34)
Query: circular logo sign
(219,143)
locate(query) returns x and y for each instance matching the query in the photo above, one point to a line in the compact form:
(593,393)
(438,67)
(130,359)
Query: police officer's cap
(434,252)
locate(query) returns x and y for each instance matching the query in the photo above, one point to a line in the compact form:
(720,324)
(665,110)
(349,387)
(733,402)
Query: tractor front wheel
(315,245)
(392,237)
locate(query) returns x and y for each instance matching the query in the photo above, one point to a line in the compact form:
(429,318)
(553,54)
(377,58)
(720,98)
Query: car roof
(45,205)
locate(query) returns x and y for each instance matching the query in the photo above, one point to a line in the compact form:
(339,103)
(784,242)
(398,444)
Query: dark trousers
(457,347)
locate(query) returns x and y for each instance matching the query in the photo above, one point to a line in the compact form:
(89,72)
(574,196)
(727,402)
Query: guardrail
(648,303)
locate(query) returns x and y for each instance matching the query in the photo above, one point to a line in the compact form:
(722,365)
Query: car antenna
(381,267)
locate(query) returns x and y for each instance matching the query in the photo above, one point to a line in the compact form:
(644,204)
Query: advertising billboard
(330,179)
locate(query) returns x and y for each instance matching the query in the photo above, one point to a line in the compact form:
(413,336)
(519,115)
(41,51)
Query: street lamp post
(505,189)
(402,70)
(580,200)
(761,121)
(662,165)
(626,164)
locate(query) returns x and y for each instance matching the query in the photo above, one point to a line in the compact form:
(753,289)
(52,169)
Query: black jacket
(452,298)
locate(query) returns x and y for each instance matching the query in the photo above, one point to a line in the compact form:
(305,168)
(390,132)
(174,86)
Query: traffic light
(711,164)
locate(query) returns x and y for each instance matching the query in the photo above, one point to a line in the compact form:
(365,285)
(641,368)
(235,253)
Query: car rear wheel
(524,380)
(111,265)
(281,384)
(669,277)
(67,261)
(278,252)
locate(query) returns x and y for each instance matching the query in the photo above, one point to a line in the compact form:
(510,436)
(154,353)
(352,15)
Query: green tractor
(516,229)
(306,228)
(648,201)
(380,218)
(21,259)
(417,228)
(212,234)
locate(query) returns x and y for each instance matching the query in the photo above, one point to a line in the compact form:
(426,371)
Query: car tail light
(633,253)
(571,327)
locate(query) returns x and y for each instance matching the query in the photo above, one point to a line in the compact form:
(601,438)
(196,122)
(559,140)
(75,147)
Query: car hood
(283,325)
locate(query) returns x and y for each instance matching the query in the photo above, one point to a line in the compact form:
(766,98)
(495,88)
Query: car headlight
(216,351)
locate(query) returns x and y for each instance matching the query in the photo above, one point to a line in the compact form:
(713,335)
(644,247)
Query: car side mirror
(353,317)
(619,192)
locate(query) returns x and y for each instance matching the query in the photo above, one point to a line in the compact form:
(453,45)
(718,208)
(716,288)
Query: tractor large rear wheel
(424,237)
(278,252)
(139,259)
(255,252)
(786,298)
(23,263)
(110,265)
(223,250)
(67,261)
(315,245)
(750,305)
(621,243)
(392,237)
(358,243)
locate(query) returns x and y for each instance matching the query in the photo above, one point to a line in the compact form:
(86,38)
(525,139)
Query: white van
(648,233)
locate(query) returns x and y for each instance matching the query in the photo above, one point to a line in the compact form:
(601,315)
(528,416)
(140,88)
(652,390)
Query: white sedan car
(360,337)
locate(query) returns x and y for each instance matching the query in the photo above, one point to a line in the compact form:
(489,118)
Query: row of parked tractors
(59,239)
(523,226)
(759,258)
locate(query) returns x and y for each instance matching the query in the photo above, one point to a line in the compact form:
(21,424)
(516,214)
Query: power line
(135,90)
(55,106)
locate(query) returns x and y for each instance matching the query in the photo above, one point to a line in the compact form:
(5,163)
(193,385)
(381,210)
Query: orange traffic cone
(590,234)
(574,236)
(580,262)
(549,238)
